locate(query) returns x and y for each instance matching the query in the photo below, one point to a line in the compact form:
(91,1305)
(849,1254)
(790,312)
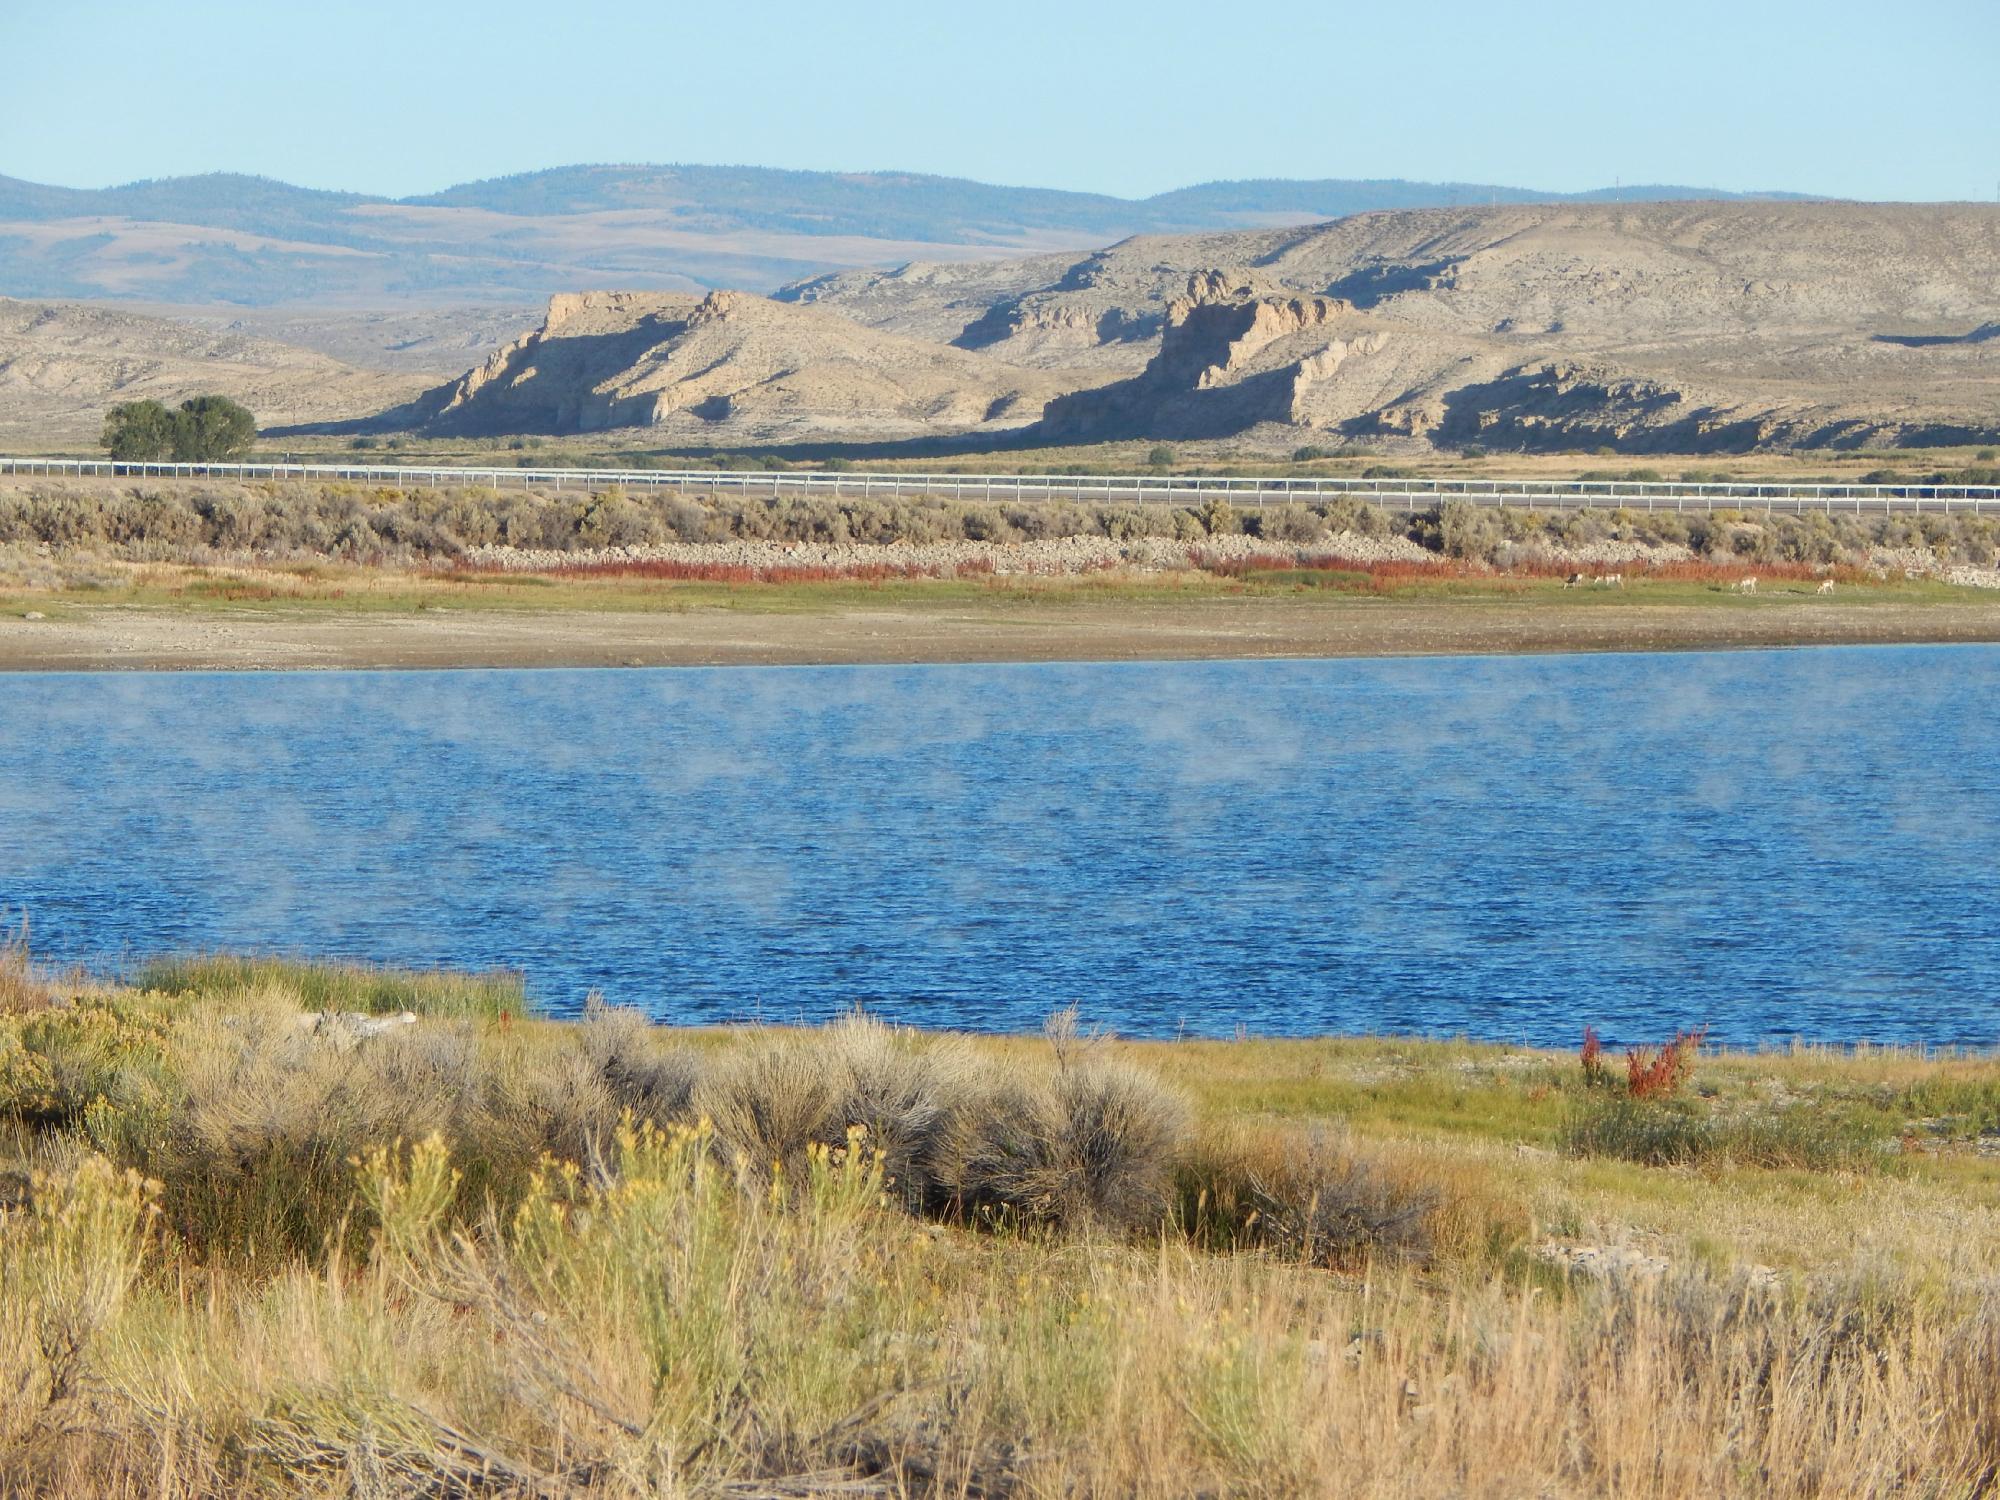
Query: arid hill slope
(1599,272)
(426,341)
(729,367)
(1686,326)
(63,364)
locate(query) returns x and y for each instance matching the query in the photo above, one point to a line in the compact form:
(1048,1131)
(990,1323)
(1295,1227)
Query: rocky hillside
(1667,326)
(727,368)
(1599,271)
(62,365)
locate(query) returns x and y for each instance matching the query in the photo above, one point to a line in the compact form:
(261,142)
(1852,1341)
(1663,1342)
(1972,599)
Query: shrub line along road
(1394,493)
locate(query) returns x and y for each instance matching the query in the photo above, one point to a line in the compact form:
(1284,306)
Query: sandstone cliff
(1229,360)
(728,367)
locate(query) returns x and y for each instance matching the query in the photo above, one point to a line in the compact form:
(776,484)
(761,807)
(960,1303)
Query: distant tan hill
(63,364)
(432,341)
(727,368)
(1690,326)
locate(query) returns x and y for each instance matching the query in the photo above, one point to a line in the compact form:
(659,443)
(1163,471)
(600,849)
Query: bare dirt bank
(134,638)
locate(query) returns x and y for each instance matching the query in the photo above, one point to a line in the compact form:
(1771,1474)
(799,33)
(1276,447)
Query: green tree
(211,428)
(139,431)
(207,429)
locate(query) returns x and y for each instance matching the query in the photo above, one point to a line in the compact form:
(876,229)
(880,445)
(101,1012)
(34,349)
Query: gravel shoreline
(1051,556)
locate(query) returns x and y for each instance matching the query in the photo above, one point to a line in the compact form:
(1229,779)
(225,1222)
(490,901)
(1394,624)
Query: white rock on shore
(345,1027)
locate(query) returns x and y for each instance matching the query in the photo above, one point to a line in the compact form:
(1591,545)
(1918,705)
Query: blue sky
(1836,97)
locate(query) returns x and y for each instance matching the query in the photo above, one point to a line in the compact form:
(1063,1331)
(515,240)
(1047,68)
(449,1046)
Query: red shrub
(1650,1072)
(1662,1073)
(1592,1056)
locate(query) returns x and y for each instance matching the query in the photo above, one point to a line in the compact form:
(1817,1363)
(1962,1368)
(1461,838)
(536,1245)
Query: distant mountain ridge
(226,237)
(905,204)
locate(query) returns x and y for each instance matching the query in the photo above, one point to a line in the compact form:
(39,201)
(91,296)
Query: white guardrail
(1185,489)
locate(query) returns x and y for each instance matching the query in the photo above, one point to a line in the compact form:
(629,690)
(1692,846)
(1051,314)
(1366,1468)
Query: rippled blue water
(1775,843)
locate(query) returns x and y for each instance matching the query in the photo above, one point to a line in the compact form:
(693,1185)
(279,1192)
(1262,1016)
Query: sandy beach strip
(141,638)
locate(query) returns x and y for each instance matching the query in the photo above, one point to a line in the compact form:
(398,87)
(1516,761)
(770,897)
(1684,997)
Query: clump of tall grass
(645,1074)
(361,988)
(1087,1143)
(1312,1198)
(251,1122)
(23,985)
(775,1100)
(1683,1133)
(1653,1135)
(19,989)
(1091,1145)
(1972,1104)
(1090,1142)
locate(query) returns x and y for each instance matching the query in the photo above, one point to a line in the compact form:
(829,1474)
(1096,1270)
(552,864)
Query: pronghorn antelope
(1748,585)
(1825,587)
(1574,581)
(1613,580)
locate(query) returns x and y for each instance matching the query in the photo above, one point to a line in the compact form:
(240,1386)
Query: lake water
(1772,843)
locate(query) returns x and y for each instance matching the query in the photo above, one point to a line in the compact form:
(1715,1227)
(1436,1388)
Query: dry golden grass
(486,1256)
(22,987)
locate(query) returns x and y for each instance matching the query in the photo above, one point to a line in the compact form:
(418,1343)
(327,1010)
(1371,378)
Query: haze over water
(1773,843)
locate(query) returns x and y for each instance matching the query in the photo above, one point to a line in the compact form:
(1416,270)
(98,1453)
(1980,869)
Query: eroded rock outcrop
(727,366)
(1229,359)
